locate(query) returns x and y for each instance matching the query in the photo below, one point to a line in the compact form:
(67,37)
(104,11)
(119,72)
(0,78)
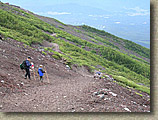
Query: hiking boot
(25,78)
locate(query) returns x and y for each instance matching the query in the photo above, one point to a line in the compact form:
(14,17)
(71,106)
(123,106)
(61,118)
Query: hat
(29,57)
(41,65)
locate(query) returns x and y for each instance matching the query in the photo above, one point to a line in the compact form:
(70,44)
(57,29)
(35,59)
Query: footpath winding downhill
(68,91)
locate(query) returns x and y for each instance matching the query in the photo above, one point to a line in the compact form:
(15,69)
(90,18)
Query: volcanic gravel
(68,91)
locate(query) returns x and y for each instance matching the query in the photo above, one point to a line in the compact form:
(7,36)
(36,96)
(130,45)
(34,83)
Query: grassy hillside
(80,45)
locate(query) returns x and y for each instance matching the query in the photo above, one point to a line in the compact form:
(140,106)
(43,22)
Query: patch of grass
(55,56)
(44,53)
(132,84)
(139,94)
(61,27)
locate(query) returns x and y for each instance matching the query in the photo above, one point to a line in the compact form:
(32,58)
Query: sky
(102,4)
(129,19)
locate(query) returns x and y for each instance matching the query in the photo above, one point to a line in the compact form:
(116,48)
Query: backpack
(23,65)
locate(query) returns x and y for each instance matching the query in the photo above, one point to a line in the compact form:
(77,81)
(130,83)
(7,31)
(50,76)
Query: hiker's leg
(41,78)
(26,73)
(29,73)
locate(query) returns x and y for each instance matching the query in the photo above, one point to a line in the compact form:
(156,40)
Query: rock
(95,93)
(73,110)
(101,96)
(82,109)
(22,84)
(16,104)
(108,99)
(1,106)
(134,102)
(101,92)
(113,94)
(144,106)
(147,102)
(25,94)
(92,109)
(127,109)
(105,90)
(67,67)
(64,96)
(2,81)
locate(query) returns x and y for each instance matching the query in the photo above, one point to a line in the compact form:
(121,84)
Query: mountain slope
(76,46)
(68,91)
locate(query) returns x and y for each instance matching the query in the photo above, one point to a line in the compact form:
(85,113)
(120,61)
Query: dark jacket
(28,64)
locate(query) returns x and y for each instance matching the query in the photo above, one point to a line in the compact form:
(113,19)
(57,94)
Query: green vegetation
(56,57)
(44,53)
(131,84)
(29,29)
(145,52)
(139,94)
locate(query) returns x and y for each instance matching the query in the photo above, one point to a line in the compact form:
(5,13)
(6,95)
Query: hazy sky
(129,19)
(103,4)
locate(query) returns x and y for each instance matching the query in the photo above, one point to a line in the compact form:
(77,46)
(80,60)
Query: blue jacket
(40,72)
(28,64)
(98,73)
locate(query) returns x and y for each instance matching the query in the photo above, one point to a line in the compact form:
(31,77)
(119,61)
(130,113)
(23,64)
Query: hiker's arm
(42,71)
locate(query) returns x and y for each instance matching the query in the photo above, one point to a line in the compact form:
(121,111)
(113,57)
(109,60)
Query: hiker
(27,67)
(97,74)
(40,72)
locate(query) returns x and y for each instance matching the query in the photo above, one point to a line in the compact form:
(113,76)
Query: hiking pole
(34,74)
(46,74)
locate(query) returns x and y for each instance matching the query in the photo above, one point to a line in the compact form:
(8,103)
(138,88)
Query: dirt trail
(68,91)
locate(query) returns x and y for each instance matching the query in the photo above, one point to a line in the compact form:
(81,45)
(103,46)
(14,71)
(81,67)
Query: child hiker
(40,72)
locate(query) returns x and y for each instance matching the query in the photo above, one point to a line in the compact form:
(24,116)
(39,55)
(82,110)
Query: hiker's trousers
(41,78)
(27,73)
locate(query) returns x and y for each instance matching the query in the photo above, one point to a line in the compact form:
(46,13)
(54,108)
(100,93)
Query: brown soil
(68,90)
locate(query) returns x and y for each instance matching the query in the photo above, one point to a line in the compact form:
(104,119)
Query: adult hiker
(40,72)
(27,67)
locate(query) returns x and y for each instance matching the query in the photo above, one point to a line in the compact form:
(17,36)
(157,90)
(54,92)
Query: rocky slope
(68,91)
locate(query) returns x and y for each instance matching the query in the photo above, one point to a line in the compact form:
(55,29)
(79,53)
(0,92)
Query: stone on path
(127,109)
(113,94)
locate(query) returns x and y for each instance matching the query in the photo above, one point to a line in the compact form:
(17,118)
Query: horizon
(129,20)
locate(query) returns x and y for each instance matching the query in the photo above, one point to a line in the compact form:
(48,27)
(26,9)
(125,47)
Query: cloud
(100,16)
(117,22)
(137,11)
(104,27)
(58,13)
(137,14)
(144,22)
